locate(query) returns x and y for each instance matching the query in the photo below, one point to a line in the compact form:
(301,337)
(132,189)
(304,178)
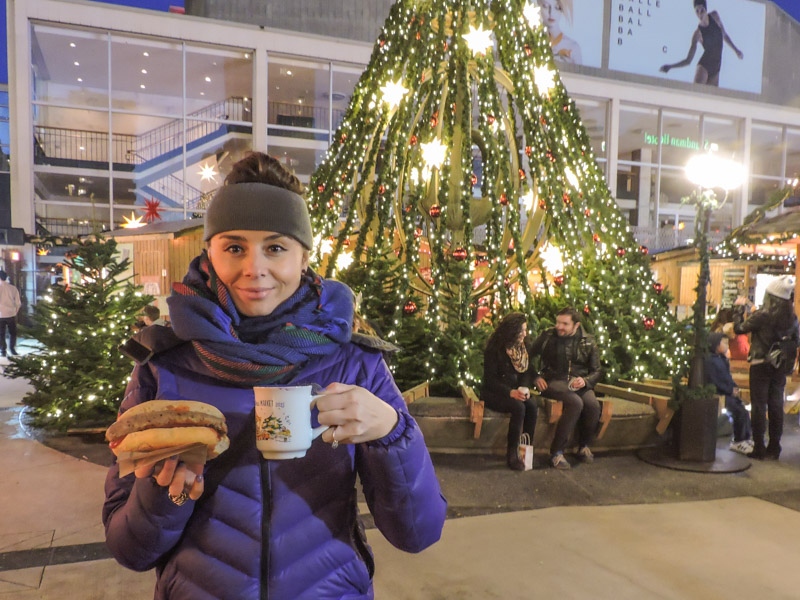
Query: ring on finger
(335,442)
(180,499)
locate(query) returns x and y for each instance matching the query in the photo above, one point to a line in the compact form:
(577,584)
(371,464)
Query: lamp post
(699,415)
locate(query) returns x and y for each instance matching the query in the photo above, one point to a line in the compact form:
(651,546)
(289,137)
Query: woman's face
(701,11)
(522,332)
(551,12)
(261,269)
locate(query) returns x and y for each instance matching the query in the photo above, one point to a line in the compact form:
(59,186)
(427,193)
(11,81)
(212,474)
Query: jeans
(766,396)
(523,417)
(740,417)
(580,408)
(11,324)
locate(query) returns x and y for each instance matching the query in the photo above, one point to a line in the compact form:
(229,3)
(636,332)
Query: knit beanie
(781,287)
(714,339)
(258,207)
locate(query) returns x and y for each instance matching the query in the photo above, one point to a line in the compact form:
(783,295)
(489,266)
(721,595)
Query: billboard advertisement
(575,28)
(710,42)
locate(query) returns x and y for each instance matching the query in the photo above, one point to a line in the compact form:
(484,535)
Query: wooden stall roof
(160,230)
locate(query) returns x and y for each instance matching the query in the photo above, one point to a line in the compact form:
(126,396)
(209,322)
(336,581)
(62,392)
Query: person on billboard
(565,49)
(710,33)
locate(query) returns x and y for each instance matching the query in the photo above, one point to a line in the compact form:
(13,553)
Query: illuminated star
(433,153)
(544,78)
(532,15)
(207,173)
(152,210)
(344,260)
(393,93)
(133,222)
(479,40)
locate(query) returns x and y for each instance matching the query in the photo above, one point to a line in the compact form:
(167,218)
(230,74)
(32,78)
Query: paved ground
(620,528)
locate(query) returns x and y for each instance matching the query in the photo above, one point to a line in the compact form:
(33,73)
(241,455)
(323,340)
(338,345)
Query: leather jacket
(582,355)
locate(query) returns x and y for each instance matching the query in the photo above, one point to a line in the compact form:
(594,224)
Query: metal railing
(75,144)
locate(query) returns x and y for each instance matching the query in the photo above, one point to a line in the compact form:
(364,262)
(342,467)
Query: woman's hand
(665,68)
(176,476)
(357,414)
(540,384)
(521,394)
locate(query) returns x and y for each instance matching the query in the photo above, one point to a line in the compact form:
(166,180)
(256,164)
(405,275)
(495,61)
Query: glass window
(71,137)
(70,66)
(726,133)
(344,82)
(638,134)
(298,157)
(593,116)
(219,83)
(146,75)
(299,98)
(766,150)
(793,153)
(680,138)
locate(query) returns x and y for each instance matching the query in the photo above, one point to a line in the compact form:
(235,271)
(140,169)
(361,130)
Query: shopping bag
(525,450)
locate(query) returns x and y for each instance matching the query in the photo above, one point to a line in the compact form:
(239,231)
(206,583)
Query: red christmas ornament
(528,150)
(343,138)
(413,140)
(566,199)
(410,307)
(445,46)
(596,237)
(474,179)
(644,249)
(152,210)
(586,309)
(460,254)
(658,287)
(418,36)
(542,204)
(490,119)
(587,212)
(503,199)
(418,232)
(435,211)
(649,323)
(527,49)
(381,42)
(521,174)
(621,251)
(381,189)
(543,121)
(558,280)
(321,188)
(434,119)
(346,242)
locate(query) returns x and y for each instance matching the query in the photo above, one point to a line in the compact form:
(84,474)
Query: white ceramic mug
(283,421)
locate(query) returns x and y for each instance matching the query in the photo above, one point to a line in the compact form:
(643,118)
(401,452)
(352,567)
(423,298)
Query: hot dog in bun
(161,424)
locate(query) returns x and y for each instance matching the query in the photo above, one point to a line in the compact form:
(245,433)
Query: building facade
(118,113)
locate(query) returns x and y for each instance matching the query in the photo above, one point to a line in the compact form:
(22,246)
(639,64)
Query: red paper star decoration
(153,210)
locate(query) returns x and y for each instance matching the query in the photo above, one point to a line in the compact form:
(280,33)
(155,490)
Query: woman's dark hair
(781,311)
(257,167)
(725,315)
(507,332)
(701,3)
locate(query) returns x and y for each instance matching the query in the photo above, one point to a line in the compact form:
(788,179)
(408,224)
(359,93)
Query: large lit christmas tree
(78,373)
(462,158)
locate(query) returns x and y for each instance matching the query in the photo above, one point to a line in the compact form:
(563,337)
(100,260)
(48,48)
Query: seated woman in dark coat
(507,377)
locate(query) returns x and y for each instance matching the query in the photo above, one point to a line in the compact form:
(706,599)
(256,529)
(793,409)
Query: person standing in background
(767,325)
(10,304)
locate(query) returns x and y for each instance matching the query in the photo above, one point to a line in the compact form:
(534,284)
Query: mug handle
(318,431)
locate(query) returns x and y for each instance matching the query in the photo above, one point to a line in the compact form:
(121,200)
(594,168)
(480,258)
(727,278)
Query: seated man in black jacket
(569,368)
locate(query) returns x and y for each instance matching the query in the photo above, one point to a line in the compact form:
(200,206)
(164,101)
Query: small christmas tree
(79,374)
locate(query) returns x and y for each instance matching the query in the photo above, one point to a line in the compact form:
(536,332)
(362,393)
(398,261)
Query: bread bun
(159,424)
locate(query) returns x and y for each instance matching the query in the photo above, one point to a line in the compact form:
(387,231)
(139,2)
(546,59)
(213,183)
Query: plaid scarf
(247,351)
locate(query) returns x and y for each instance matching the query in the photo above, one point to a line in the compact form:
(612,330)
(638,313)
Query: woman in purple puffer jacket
(251,313)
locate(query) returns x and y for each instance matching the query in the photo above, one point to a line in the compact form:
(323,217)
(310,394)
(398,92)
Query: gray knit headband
(258,207)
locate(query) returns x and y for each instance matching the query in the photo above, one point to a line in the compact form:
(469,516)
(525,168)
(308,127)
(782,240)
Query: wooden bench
(421,390)
(659,402)
(553,409)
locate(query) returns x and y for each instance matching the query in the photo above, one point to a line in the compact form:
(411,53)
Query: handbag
(525,451)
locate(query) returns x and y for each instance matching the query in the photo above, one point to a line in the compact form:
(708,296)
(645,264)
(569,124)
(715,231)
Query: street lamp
(698,433)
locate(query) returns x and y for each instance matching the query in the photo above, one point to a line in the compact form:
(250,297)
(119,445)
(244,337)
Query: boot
(514,461)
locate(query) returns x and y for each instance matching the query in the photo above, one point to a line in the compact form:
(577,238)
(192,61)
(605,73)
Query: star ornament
(152,210)
(479,40)
(133,222)
(544,78)
(433,153)
(533,15)
(393,93)
(207,173)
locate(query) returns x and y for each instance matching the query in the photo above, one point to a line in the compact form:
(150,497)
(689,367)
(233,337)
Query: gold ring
(335,443)
(180,499)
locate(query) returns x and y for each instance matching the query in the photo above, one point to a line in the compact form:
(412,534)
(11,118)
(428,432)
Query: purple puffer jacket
(277,530)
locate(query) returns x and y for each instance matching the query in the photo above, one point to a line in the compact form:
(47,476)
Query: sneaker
(559,462)
(743,447)
(13,353)
(585,455)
